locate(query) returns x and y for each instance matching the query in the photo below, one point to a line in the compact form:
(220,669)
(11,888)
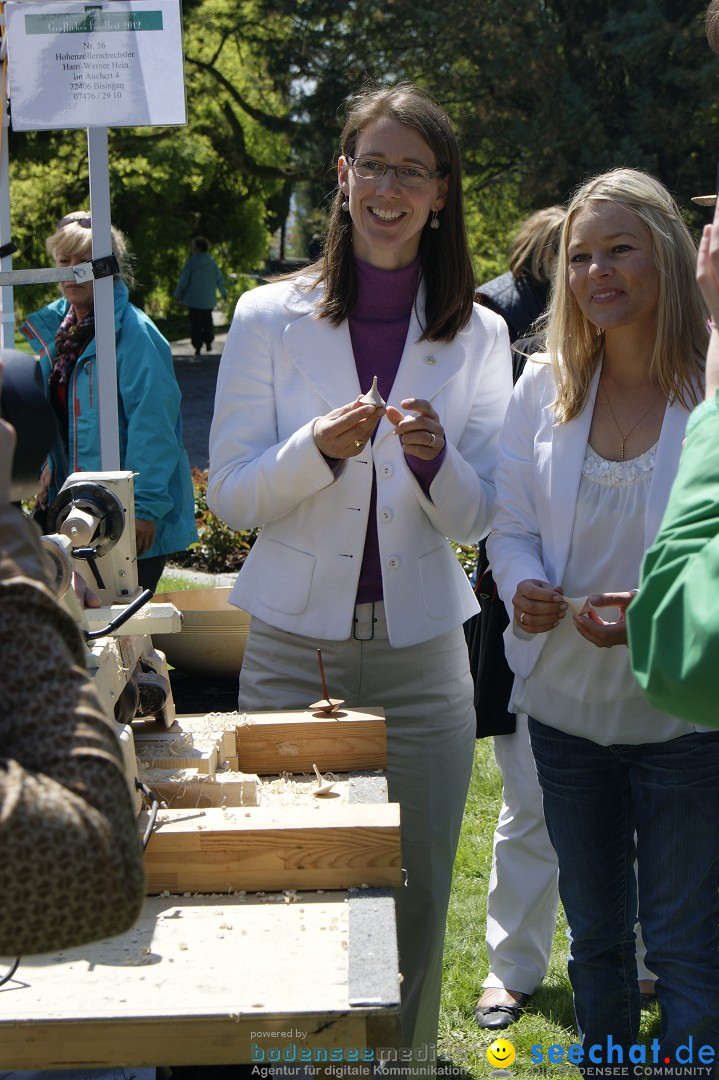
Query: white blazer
(282,368)
(538,476)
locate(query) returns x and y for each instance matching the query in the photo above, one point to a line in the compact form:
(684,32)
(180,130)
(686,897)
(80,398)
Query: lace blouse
(575,686)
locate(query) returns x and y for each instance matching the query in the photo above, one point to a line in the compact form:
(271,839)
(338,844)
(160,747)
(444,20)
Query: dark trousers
(595,799)
(202,331)
(149,571)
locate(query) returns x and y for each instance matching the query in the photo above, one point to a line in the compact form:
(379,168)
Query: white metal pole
(99,175)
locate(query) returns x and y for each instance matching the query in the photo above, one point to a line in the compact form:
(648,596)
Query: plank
(197,729)
(177,754)
(200,979)
(323,846)
(190,789)
(275,742)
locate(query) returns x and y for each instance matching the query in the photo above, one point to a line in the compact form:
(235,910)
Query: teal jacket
(150,425)
(673,622)
(200,280)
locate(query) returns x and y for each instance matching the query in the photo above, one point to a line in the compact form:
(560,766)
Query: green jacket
(673,622)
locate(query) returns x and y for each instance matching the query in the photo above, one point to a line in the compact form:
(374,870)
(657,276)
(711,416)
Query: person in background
(588,452)
(520,296)
(356,498)
(522,899)
(68,833)
(200,281)
(673,622)
(150,425)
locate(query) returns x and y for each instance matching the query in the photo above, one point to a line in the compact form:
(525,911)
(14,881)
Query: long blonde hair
(575,344)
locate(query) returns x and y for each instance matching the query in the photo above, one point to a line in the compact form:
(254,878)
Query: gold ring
(432,438)
(359,444)
(521,617)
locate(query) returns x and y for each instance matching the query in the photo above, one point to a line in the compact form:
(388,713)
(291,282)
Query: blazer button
(386,514)
(393,562)
(387,470)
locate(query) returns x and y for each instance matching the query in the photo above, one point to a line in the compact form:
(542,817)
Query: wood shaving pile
(296,789)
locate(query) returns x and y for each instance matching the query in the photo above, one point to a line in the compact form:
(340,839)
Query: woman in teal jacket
(200,281)
(150,425)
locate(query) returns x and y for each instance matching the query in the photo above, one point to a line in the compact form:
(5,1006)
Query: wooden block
(275,742)
(200,730)
(198,790)
(176,754)
(326,846)
(228,745)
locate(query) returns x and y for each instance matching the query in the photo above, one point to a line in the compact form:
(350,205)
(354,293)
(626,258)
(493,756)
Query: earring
(345,206)
(435,222)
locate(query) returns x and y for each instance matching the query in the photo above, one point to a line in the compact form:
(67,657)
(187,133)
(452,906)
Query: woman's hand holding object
(344,432)
(605,634)
(538,606)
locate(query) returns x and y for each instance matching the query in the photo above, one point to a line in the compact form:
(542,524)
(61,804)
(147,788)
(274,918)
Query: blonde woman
(588,453)
(63,333)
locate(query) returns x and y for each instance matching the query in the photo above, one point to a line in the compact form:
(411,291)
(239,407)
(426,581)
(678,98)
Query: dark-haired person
(150,426)
(200,281)
(355,499)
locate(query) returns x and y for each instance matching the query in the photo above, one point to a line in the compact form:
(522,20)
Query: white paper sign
(117,63)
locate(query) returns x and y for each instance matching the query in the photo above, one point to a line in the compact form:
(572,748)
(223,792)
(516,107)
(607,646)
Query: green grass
(549,1018)
(176,584)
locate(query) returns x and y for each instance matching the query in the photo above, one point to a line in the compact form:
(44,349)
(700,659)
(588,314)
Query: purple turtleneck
(378,329)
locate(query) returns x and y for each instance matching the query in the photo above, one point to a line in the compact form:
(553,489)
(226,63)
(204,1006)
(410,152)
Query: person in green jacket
(673,621)
(200,281)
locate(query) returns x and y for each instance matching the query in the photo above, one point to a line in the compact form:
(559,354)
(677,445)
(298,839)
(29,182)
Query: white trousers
(523,898)
(426,692)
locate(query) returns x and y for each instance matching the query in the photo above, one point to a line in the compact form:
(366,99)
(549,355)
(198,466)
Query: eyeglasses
(83,222)
(407,175)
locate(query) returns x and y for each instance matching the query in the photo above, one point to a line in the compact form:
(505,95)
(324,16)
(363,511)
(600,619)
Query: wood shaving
(298,789)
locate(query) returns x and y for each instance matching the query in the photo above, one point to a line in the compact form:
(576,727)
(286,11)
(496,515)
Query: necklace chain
(622,436)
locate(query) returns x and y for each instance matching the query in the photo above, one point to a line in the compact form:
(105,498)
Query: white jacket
(282,368)
(538,476)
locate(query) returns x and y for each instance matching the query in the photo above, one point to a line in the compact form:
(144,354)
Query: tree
(543,92)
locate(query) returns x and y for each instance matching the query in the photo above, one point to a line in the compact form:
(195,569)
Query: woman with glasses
(356,497)
(148,399)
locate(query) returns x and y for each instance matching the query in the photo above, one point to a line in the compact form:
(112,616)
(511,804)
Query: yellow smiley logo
(501,1054)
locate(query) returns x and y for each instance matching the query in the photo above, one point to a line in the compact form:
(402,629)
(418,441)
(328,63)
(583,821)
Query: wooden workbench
(213,979)
(221,979)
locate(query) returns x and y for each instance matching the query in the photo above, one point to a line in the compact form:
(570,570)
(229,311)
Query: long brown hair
(445,265)
(575,344)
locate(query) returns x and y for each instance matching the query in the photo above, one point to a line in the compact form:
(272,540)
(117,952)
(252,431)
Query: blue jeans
(595,798)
